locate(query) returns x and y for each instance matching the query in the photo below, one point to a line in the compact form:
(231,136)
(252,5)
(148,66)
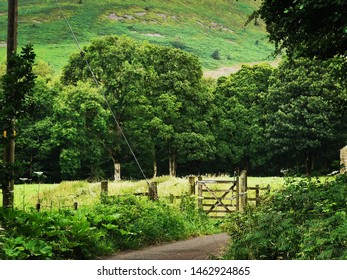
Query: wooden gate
(217,202)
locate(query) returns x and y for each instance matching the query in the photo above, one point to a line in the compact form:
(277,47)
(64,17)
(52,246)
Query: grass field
(85,193)
(197,26)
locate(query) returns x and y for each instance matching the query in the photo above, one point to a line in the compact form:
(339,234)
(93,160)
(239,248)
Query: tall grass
(86,194)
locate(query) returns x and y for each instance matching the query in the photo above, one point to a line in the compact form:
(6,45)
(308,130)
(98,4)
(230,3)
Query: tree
(33,145)
(79,130)
(114,61)
(180,104)
(155,93)
(240,99)
(306,111)
(307,28)
(17,85)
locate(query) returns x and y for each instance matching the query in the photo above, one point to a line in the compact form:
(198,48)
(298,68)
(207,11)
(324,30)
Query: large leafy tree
(308,28)
(306,111)
(240,99)
(153,91)
(79,126)
(114,61)
(181,106)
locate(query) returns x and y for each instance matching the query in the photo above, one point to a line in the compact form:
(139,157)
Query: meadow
(200,27)
(64,194)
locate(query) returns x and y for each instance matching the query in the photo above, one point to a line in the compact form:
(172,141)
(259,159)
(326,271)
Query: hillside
(202,27)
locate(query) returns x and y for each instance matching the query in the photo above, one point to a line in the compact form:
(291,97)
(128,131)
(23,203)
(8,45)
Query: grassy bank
(199,27)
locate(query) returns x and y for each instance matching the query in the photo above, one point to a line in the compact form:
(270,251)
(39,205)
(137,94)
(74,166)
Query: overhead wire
(82,54)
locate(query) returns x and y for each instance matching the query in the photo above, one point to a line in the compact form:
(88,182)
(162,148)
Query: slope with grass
(203,27)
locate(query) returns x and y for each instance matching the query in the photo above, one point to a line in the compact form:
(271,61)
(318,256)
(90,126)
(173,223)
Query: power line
(103,94)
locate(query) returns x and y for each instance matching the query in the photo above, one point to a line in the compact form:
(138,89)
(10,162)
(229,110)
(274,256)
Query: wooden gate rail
(203,188)
(257,190)
(240,192)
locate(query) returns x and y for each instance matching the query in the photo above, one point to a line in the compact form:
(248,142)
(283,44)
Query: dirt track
(198,248)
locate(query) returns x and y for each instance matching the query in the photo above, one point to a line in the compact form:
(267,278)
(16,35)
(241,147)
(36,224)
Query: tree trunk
(8,183)
(246,163)
(155,168)
(117,176)
(116,169)
(172,165)
(309,164)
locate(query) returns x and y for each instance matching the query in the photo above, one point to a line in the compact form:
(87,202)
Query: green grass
(199,27)
(85,193)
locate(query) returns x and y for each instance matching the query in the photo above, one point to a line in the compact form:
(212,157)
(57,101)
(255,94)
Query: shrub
(118,223)
(216,55)
(306,220)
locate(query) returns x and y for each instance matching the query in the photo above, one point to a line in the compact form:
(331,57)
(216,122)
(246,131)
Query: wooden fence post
(200,197)
(243,190)
(192,185)
(257,195)
(153,191)
(104,187)
(237,197)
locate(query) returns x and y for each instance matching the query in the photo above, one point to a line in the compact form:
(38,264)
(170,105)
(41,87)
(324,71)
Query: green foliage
(240,100)
(152,91)
(307,28)
(79,127)
(305,110)
(216,55)
(305,220)
(118,223)
(17,85)
(46,236)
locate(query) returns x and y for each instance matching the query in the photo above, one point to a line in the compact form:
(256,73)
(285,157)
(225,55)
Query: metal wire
(103,94)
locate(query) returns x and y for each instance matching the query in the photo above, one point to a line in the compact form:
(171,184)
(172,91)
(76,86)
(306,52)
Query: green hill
(211,29)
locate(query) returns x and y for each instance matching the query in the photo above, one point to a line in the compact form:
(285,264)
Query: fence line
(235,198)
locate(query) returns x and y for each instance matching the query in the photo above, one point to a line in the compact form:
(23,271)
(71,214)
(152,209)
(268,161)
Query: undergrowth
(115,224)
(306,220)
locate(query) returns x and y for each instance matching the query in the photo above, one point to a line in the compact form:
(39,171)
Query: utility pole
(9,132)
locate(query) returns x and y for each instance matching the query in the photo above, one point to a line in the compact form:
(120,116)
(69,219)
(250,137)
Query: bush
(307,220)
(216,55)
(118,223)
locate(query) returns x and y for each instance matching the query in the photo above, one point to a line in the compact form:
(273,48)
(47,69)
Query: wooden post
(257,195)
(243,190)
(200,197)
(268,189)
(104,187)
(117,176)
(153,191)
(192,184)
(237,196)
(12,28)
(343,160)
(9,133)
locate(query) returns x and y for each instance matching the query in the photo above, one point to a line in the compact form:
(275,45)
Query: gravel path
(198,248)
